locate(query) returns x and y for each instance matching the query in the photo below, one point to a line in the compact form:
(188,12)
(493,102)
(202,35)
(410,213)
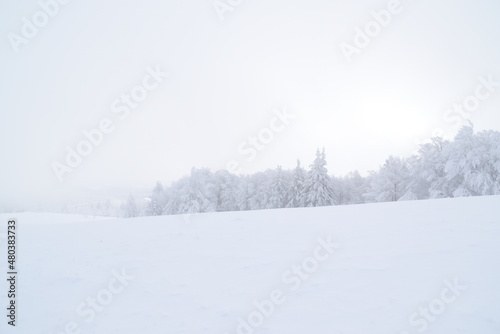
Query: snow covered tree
(258,189)
(226,191)
(318,186)
(197,194)
(340,190)
(157,201)
(244,194)
(173,196)
(390,183)
(427,172)
(130,207)
(278,190)
(486,179)
(297,198)
(472,163)
(350,188)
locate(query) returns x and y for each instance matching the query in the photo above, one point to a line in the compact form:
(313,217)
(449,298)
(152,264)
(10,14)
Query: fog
(103,98)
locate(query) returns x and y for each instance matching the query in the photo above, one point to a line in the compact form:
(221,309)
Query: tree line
(468,165)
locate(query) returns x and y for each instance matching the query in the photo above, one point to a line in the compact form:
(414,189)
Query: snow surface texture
(434,262)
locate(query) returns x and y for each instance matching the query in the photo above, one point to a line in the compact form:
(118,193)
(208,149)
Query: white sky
(226,78)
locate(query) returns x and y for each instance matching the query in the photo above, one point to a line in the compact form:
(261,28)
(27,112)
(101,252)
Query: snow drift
(406,267)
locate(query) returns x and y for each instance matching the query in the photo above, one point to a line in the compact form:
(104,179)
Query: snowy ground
(434,262)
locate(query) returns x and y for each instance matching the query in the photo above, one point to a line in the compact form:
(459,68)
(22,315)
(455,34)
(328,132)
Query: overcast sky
(227,77)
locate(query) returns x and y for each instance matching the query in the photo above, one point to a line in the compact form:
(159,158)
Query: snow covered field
(420,266)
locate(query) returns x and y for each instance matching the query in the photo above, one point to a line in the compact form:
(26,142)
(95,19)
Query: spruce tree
(318,186)
(278,192)
(297,198)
